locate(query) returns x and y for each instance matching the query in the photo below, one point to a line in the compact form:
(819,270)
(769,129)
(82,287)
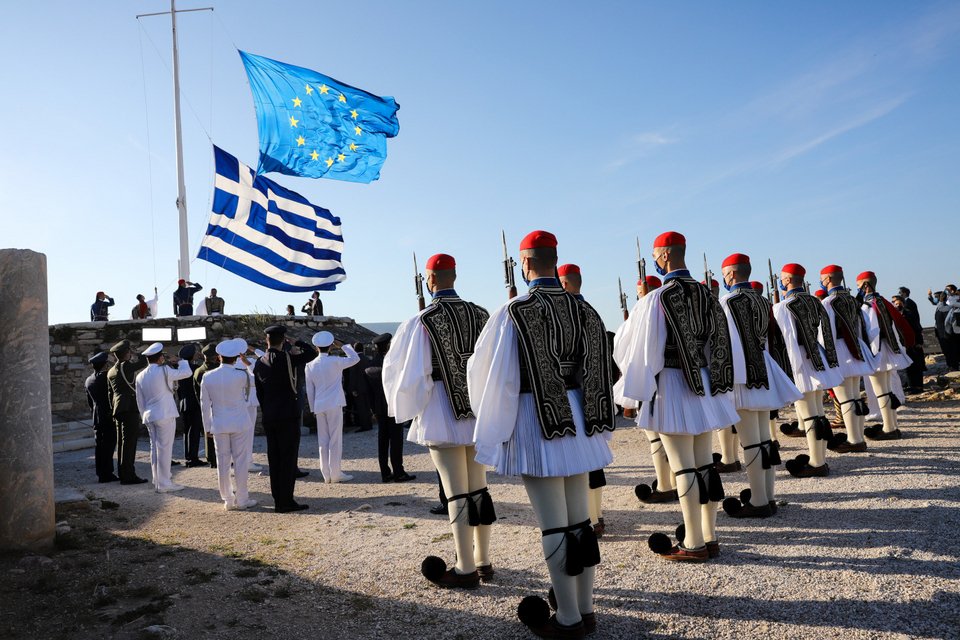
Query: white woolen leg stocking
(452,467)
(728,445)
(807,408)
(703,455)
(661,466)
(477,479)
(680,453)
(881,385)
(548,499)
(846,394)
(596,504)
(749,428)
(577,489)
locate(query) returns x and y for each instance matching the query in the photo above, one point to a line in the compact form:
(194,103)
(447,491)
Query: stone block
(69,349)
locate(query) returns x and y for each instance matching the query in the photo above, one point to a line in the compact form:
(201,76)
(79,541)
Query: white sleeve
(736,346)
(789,330)
(407,383)
(351,359)
(311,383)
(138,388)
(206,406)
(645,352)
(493,381)
(873,327)
(182,371)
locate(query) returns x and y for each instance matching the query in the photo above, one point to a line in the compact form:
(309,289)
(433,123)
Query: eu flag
(316,127)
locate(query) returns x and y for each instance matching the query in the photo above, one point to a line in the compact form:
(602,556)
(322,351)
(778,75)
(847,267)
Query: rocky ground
(869,552)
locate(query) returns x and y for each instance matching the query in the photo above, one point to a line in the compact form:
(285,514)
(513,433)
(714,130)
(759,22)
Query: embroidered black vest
(809,315)
(563,345)
(751,315)
(849,323)
(696,320)
(453,326)
(887,326)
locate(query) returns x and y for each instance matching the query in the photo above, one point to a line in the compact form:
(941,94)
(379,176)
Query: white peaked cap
(153,349)
(323,339)
(231,348)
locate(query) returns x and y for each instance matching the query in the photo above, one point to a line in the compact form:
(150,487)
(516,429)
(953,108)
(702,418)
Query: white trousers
(330,442)
(235,448)
(162,433)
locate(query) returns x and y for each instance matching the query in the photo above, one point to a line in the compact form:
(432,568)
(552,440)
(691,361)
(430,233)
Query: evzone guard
(425,380)
(572,282)
(759,386)
(849,324)
(676,360)
(664,486)
(813,358)
(540,386)
(890,336)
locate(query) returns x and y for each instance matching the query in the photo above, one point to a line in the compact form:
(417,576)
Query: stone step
(74,445)
(74,433)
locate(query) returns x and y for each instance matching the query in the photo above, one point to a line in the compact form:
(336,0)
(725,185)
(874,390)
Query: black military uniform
(275,375)
(210,362)
(357,389)
(104,431)
(389,433)
(123,404)
(188,402)
(183,298)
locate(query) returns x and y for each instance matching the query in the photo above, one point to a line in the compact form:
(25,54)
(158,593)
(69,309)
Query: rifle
(642,273)
(508,265)
(707,275)
(773,282)
(623,300)
(418,283)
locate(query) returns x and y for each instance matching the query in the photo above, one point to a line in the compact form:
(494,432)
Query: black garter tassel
(589,546)
(487,513)
(714,491)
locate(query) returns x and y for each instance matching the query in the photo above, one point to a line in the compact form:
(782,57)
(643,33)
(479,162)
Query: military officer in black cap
(188,403)
(389,433)
(104,431)
(123,403)
(210,362)
(275,375)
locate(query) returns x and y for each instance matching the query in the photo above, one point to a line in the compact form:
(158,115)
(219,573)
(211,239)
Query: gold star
(293,121)
(354,113)
(357,129)
(309,89)
(329,161)
(341,157)
(342,98)
(324,88)
(300,141)
(353,146)
(296,102)
(314,155)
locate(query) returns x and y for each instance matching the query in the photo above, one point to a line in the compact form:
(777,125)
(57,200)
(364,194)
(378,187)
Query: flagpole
(181,187)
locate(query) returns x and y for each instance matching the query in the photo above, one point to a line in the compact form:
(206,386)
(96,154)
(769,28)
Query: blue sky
(806,132)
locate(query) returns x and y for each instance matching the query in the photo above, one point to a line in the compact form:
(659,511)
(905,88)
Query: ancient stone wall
(72,344)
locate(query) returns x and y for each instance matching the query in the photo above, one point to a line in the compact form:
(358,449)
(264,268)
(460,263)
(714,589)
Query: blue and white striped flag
(268,234)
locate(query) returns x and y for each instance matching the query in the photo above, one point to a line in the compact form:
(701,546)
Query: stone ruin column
(27,519)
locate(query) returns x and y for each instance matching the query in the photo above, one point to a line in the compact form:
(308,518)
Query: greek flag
(268,234)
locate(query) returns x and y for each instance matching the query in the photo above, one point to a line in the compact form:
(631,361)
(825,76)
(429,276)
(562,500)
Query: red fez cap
(757,286)
(820,293)
(653,282)
(537,239)
(735,258)
(794,269)
(830,268)
(867,275)
(441,262)
(100,293)
(669,239)
(566,269)
(181,281)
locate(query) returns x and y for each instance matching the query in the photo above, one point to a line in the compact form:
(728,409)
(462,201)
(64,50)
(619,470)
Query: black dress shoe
(134,481)
(174,463)
(386,479)
(364,429)
(213,463)
(403,477)
(293,507)
(110,478)
(195,463)
(302,474)
(439,510)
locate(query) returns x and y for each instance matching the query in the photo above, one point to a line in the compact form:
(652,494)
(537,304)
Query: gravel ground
(869,552)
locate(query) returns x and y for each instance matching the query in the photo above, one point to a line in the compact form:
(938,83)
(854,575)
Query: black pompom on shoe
(745,495)
(680,533)
(643,492)
(732,506)
(533,611)
(433,568)
(660,543)
(836,440)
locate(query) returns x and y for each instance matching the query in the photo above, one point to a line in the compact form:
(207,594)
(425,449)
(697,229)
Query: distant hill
(380,327)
